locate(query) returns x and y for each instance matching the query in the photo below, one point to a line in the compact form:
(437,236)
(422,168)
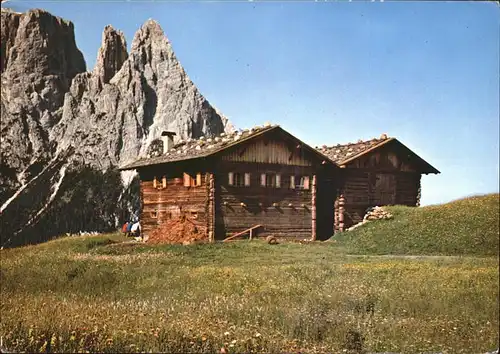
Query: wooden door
(325,199)
(383,189)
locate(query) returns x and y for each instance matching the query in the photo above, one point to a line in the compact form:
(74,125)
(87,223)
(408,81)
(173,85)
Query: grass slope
(464,227)
(90,294)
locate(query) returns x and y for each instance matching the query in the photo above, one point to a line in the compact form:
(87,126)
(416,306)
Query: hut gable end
(271,149)
(384,153)
(386,158)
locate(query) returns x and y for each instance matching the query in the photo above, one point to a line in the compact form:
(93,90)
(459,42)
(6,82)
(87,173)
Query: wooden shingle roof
(342,154)
(204,147)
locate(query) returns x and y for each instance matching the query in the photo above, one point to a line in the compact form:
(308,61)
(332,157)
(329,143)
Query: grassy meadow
(96,294)
(467,226)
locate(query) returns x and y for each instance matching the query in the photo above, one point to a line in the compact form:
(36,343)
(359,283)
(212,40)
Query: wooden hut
(376,172)
(263,176)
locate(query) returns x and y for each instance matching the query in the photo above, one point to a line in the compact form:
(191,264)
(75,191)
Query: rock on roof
(342,152)
(196,148)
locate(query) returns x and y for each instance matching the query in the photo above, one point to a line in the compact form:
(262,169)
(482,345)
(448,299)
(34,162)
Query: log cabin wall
(174,195)
(408,189)
(283,211)
(382,177)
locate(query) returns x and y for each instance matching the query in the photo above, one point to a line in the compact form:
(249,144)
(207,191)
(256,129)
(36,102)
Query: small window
(238,179)
(270,180)
(154,214)
(164,182)
(187,180)
(292,182)
(304,183)
(155,182)
(190,181)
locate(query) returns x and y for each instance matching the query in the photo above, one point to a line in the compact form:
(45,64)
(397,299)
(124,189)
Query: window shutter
(306,182)
(263,179)
(231,178)
(164,182)
(187,180)
(278,181)
(154,182)
(247,179)
(292,182)
(198,179)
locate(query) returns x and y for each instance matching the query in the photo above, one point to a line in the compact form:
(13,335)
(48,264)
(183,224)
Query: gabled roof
(204,147)
(342,154)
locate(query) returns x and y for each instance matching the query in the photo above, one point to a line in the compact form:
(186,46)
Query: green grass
(464,227)
(99,295)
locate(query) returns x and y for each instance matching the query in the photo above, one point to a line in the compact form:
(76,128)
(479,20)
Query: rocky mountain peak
(149,31)
(49,38)
(111,56)
(65,130)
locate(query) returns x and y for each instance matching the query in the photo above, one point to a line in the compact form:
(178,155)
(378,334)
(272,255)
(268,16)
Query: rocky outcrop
(58,120)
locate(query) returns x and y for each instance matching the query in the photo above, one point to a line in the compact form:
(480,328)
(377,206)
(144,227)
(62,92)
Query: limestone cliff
(64,130)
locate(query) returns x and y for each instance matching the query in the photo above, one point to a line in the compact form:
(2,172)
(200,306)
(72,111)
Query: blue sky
(328,72)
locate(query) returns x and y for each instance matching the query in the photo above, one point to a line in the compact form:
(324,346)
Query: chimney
(168,140)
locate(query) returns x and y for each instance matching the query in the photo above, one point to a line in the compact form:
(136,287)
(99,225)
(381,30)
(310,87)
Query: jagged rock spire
(106,117)
(111,56)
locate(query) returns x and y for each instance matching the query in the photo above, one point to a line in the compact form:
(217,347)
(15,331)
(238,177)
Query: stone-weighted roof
(341,153)
(196,148)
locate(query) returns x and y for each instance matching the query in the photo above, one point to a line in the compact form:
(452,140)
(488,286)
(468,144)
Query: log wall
(284,212)
(161,204)
(365,189)
(408,189)
(383,177)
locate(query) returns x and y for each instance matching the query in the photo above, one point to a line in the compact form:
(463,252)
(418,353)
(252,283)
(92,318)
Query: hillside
(467,226)
(93,294)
